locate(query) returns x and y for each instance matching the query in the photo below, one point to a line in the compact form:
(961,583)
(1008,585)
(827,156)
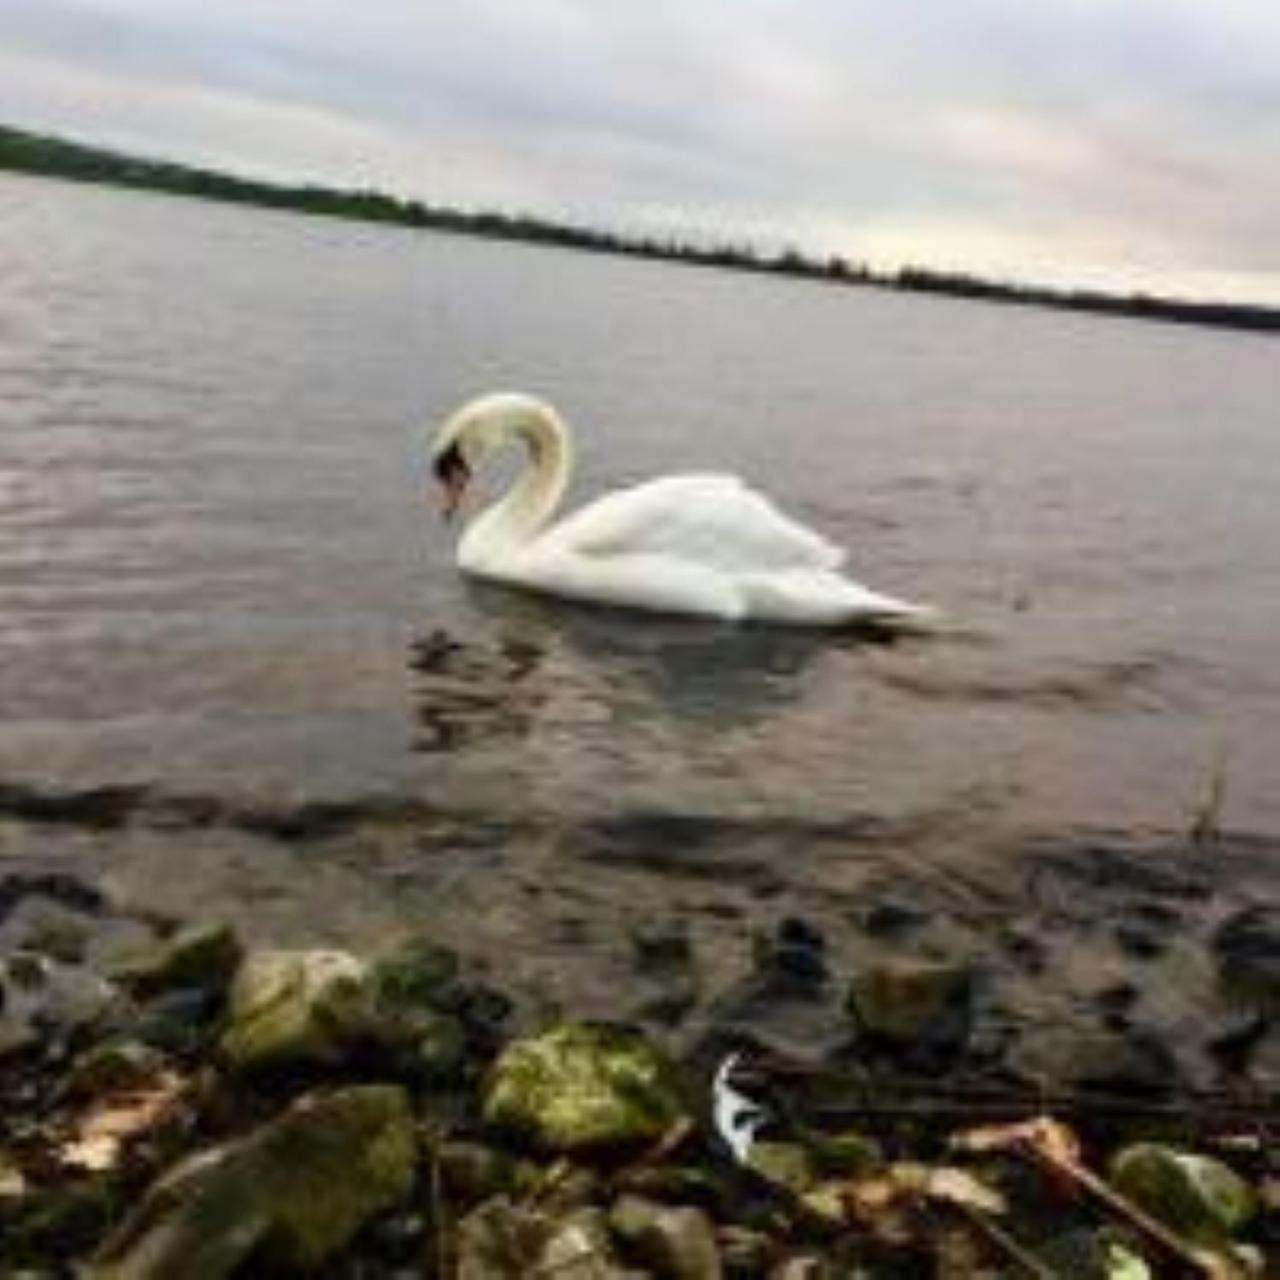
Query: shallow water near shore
(224,601)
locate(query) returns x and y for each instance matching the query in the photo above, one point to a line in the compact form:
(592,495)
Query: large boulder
(580,1086)
(293,1193)
(1197,1196)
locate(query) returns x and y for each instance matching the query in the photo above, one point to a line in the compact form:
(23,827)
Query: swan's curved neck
(518,516)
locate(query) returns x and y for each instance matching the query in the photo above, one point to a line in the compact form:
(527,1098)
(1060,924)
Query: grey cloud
(1118,128)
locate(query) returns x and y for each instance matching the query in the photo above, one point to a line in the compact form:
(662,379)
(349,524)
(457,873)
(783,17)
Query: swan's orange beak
(452,474)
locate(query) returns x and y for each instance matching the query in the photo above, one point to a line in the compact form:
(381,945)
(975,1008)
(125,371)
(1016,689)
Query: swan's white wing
(713,521)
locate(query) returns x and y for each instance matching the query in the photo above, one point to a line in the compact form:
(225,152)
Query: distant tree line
(56,157)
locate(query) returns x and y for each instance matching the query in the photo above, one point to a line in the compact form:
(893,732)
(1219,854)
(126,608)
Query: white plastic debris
(736,1117)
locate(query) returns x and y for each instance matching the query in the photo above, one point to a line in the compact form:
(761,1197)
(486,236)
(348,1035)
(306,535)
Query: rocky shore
(175,1102)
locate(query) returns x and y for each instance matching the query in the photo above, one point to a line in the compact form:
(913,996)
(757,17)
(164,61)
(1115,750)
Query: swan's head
(478,428)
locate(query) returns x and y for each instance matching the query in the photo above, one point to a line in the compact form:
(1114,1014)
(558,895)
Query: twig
(1156,1232)
(1004,1242)
(438,1225)
(670,1140)
(1207,817)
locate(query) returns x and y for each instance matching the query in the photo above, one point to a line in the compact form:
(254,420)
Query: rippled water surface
(219,580)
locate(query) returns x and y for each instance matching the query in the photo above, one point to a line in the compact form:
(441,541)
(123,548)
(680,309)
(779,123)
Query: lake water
(220,580)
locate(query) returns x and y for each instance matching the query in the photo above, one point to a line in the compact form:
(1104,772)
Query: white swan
(700,544)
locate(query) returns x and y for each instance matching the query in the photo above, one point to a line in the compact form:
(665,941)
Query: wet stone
(113,1066)
(1132,1061)
(583,1085)
(299,1188)
(787,1164)
(202,956)
(674,1243)
(44,1000)
(923,1007)
(1024,945)
(56,886)
(176,1021)
(1140,941)
(1235,1043)
(1247,945)
(661,945)
(1199,1197)
(294,1007)
(501,1240)
(474,1172)
(796,958)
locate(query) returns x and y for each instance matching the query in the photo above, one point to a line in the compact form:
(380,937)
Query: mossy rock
(1197,1196)
(786,1164)
(293,1193)
(414,974)
(295,1007)
(583,1086)
(849,1154)
(200,955)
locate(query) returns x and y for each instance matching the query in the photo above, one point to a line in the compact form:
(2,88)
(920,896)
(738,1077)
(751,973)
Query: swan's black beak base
(453,475)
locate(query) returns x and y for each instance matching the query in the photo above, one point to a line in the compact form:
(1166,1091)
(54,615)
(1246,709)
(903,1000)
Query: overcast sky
(1122,143)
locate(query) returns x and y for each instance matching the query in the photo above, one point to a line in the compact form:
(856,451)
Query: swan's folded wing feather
(715,520)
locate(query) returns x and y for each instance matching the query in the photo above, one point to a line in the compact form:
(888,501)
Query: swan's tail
(822,598)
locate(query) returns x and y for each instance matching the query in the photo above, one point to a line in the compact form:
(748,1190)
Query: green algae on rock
(199,955)
(292,1007)
(1200,1198)
(297,1190)
(581,1086)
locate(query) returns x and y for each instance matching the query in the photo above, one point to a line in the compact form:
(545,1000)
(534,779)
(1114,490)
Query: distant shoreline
(26,152)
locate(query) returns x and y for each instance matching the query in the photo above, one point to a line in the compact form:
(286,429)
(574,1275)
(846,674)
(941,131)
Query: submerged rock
(1133,1061)
(1248,950)
(584,1085)
(919,1005)
(890,917)
(295,1191)
(45,999)
(1200,1198)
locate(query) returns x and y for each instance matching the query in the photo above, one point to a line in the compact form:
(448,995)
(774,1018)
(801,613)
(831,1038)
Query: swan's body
(702,544)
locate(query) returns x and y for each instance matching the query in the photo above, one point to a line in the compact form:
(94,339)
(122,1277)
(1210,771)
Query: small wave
(1093,687)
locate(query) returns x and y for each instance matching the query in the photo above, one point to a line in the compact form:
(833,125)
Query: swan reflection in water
(493,678)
